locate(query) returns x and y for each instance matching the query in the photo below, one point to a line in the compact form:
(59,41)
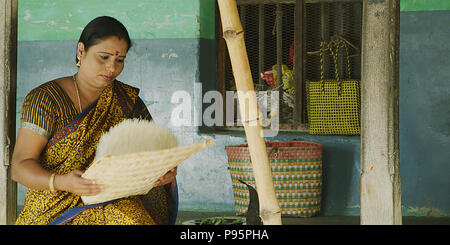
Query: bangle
(50,183)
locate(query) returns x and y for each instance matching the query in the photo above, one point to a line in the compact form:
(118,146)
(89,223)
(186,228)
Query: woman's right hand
(74,183)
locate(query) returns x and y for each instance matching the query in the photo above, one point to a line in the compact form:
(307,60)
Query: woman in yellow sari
(61,124)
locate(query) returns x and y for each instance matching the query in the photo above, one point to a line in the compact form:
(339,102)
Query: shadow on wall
(340,187)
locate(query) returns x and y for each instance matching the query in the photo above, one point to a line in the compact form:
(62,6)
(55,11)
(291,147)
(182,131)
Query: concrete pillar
(380,162)
(8,77)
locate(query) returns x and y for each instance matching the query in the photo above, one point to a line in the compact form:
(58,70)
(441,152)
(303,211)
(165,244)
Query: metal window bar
(343,18)
(324,33)
(279,37)
(265,42)
(340,31)
(260,43)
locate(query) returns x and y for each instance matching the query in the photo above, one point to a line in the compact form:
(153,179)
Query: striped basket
(296,173)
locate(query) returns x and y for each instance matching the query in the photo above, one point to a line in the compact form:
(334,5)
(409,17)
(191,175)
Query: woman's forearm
(31,174)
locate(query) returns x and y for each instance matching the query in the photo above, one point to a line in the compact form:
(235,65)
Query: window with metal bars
(283,34)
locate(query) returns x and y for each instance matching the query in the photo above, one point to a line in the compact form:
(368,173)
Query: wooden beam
(8,75)
(299,54)
(221,46)
(380,165)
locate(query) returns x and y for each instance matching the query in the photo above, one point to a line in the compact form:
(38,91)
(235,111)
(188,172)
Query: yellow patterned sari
(73,147)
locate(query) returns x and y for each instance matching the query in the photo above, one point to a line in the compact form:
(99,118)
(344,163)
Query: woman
(61,123)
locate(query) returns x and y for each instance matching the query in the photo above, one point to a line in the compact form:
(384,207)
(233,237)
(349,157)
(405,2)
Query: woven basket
(135,174)
(296,174)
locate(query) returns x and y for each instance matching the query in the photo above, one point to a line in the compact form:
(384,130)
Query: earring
(79,62)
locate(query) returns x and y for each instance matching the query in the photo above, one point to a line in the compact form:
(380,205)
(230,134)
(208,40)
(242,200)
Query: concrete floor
(318,220)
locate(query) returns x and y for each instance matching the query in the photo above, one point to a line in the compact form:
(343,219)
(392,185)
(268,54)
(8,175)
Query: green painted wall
(145,19)
(424,5)
(207,19)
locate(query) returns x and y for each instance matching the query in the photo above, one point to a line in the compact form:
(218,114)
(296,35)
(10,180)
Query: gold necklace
(78,93)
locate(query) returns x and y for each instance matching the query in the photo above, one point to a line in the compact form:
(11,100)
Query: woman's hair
(100,29)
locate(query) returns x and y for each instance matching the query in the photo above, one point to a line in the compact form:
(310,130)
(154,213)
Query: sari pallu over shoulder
(73,147)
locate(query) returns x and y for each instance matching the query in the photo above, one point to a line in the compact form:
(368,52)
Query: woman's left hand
(167,178)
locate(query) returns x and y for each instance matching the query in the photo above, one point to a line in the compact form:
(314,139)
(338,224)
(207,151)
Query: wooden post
(233,33)
(299,57)
(380,167)
(8,70)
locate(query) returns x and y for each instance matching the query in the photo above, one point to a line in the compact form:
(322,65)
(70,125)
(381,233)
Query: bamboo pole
(233,33)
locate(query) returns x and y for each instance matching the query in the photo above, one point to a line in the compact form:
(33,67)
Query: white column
(8,75)
(380,162)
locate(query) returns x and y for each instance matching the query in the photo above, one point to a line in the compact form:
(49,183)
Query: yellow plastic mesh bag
(334,105)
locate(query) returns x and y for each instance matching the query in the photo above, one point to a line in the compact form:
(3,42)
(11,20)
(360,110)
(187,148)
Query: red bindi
(119,38)
(117,53)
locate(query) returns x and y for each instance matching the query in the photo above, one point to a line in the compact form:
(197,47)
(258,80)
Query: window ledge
(284,129)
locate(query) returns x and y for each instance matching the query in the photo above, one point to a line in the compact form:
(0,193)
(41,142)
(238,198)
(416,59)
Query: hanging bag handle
(343,44)
(323,48)
(334,46)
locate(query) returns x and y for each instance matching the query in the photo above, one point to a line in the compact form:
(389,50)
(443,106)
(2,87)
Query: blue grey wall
(425,112)
(204,181)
